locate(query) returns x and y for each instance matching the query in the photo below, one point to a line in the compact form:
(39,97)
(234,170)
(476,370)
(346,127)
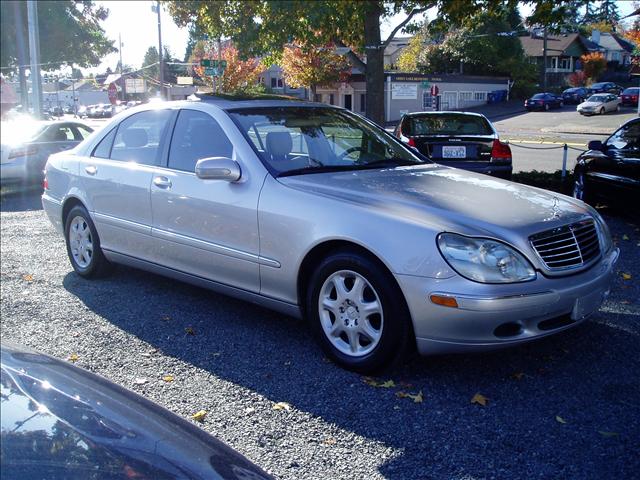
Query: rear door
(207,228)
(117,176)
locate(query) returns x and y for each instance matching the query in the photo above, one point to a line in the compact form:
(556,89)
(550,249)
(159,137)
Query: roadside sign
(425,84)
(434,90)
(135,85)
(205,63)
(211,72)
(184,80)
(112,91)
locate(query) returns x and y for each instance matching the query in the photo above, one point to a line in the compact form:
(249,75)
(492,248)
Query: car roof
(445,112)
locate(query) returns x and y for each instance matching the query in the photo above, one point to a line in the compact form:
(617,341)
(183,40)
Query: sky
(138,26)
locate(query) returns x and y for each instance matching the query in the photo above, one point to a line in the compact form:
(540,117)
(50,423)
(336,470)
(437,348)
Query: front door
(116,178)
(207,228)
(347,101)
(449,101)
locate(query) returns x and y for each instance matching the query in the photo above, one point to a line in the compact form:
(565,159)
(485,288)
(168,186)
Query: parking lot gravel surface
(567,407)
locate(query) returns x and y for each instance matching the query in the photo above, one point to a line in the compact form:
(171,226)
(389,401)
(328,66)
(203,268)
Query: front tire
(357,312)
(601,112)
(546,107)
(580,188)
(83,245)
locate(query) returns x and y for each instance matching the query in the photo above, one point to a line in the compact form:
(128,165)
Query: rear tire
(83,245)
(358,313)
(601,112)
(546,107)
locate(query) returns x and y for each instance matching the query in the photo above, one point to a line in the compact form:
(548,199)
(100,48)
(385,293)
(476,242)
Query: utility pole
(22,55)
(160,55)
(121,66)
(544,59)
(34,54)
(219,82)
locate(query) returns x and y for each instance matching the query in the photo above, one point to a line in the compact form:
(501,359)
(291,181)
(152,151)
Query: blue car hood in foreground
(62,422)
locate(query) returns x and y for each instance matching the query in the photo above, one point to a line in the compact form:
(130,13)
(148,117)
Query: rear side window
(197,135)
(443,124)
(138,137)
(626,138)
(103,150)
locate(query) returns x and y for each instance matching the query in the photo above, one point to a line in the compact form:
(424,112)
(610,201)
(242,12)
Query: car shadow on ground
(18,198)
(585,376)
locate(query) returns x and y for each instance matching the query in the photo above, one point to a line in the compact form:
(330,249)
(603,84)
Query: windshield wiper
(391,162)
(312,169)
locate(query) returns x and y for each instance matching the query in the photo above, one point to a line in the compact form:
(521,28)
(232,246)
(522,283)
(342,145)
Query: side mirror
(595,145)
(218,168)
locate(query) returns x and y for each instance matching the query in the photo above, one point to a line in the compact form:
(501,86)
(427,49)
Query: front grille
(569,246)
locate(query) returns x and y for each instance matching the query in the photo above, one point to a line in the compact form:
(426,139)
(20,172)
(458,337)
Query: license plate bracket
(458,151)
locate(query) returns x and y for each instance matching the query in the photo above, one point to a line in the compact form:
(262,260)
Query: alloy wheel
(81,242)
(351,313)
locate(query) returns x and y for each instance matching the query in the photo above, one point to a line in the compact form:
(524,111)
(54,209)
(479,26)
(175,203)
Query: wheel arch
(68,204)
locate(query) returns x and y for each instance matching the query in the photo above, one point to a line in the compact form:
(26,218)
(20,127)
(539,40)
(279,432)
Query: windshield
(449,124)
(295,140)
(631,91)
(597,98)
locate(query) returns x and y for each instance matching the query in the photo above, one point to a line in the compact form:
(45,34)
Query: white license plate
(587,305)
(454,152)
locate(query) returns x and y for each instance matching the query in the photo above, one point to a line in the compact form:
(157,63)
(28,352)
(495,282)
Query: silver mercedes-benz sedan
(316,212)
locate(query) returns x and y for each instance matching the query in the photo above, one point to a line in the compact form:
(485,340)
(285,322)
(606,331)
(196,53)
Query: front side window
(294,140)
(57,133)
(626,138)
(197,135)
(138,137)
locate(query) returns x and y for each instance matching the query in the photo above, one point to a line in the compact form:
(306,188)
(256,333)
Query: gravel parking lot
(565,407)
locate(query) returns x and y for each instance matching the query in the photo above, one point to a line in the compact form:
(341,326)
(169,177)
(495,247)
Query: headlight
(484,260)
(606,243)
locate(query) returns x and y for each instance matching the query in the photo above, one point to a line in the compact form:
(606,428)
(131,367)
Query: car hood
(448,199)
(591,104)
(60,421)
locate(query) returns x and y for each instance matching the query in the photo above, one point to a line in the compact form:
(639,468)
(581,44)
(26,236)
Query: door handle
(162,182)
(91,169)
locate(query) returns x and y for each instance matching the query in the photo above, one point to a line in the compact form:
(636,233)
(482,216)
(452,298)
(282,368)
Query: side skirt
(270,303)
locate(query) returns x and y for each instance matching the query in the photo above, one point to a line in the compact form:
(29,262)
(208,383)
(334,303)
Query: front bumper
(53,209)
(496,316)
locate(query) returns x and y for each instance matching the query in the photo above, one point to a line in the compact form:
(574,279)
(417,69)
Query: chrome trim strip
(121,223)
(494,298)
(213,247)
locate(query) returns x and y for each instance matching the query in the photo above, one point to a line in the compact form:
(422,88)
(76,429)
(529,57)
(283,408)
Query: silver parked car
(27,145)
(599,103)
(316,212)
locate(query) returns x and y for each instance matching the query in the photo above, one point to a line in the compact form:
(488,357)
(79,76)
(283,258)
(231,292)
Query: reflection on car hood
(591,104)
(61,422)
(447,198)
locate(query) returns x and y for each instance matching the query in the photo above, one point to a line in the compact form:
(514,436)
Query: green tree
(263,27)
(70,33)
(608,12)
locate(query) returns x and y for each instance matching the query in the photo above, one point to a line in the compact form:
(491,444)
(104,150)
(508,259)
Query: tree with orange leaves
(312,67)
(593,64)
(240,76)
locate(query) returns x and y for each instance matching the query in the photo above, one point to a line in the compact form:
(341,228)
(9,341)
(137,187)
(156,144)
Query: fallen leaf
(396,407)
(189,331)
(480,399)
(626,276)
(166,318)
(374,383)
(608,434)
(282,406)
(416,397)
(517,375)
(215,354)
(28,277)
(73,357)
(140,381)
(168,378)
(287,363)
(559,419)
(249,410)
(329,441)
(199,416)
(625,237)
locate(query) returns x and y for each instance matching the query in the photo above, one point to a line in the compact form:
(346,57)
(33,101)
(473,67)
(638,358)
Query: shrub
(577,79)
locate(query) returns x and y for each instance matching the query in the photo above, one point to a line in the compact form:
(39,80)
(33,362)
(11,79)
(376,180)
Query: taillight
(500,150)
(411,142)
(45,183)
(23,151)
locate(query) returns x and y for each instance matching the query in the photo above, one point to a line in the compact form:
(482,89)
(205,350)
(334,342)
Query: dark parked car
(543,101)
(575,95)
(62,422)
(630,96)
(457,139)
(606,87)
(610,171)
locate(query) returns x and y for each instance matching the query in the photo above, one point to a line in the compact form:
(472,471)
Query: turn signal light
(45,183)
(444,300)
(500,150)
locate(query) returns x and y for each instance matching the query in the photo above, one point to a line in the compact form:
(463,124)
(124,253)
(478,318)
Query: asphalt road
(536,138)
(567,407)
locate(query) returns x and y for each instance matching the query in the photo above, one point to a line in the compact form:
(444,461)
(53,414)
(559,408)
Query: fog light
(443,300)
